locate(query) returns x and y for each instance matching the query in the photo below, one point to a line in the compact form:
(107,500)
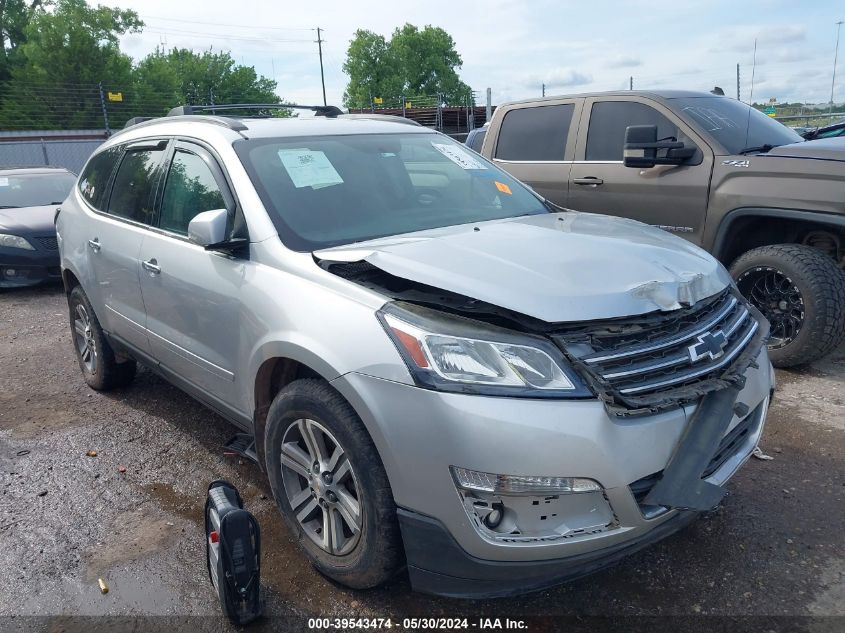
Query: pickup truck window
(733,124)
(608,120)
(536,134)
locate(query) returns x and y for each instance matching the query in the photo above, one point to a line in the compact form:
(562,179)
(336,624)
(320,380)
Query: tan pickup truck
(767,203)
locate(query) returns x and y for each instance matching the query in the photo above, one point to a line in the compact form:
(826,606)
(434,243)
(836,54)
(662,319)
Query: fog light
(521,484)
(11,272)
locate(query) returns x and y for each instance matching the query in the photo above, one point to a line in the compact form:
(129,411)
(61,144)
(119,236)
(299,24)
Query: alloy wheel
(321,487)
(84,340)
(778,298)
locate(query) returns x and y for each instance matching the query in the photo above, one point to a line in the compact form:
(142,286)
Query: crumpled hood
(555,267)
(820,149)
(28,220)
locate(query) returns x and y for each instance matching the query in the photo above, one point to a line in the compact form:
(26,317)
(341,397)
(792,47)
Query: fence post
(489,112)
(105,112)
(44,151)
(403,105)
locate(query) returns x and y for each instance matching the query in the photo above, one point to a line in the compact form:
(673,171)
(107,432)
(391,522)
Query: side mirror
(209,227)
(641,148)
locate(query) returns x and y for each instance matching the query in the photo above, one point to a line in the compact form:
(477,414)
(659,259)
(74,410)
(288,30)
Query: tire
(311,410)
(802,293)
(105,372)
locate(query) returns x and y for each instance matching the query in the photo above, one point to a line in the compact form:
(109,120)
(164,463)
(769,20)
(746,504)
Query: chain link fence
(68,149)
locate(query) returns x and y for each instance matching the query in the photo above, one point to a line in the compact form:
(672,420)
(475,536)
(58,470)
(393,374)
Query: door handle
(151,266)
(94,245)
(588,180)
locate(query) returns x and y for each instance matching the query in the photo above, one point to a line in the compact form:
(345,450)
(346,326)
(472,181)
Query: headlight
(13,241)
(456,354)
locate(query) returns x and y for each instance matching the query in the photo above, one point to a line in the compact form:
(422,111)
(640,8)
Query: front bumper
(421,433)
(20,267)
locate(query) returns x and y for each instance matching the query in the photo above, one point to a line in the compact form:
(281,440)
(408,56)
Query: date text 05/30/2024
(412,624)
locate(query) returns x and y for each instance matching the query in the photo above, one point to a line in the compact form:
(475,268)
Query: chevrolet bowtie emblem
(710,344)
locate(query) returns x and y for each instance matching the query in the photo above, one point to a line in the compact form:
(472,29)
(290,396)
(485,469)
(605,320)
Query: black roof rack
(136,120)
(326,111)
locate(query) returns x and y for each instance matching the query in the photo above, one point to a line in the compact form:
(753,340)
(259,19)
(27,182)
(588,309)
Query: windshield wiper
(760,148)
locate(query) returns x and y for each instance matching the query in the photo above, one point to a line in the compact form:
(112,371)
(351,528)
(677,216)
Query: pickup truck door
(671,196)
(536,144)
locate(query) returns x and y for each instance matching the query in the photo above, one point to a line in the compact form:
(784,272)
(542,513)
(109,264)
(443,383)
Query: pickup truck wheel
(801,291)
(96,357)
(330,485)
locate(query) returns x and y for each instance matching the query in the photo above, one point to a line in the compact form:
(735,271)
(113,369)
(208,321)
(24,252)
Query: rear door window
(134,185)
(95,178)
(535,134)
(608,120)
(190,189)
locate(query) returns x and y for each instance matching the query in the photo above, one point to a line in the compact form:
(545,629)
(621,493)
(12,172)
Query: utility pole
(737,83)
(835,59)
(322,75)
(753,70)
(488,112)
(631,82)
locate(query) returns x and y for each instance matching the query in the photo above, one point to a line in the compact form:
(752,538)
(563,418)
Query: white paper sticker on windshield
(308,168)
(4,182)
(461,157)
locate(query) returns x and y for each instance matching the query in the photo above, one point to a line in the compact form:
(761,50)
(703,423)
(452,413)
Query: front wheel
(801,291)
(330,485)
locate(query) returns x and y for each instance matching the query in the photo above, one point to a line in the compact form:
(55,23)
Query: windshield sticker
(308,168)
(460,157)
(4,182)
(503,188)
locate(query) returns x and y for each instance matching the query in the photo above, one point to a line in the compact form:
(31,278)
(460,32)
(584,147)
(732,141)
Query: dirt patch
(132,536)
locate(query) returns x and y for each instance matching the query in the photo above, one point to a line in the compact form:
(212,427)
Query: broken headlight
(452,353)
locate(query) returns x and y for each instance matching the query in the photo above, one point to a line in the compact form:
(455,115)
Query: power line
(239,26)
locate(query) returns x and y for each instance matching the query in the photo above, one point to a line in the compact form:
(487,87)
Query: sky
(514,46)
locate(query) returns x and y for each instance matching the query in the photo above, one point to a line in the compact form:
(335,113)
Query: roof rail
(383,117)
(136,120)
(326,111)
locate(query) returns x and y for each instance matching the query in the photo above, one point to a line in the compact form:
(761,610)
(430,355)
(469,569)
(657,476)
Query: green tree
(413,62)
(69,48)
(181,76)
(14,16)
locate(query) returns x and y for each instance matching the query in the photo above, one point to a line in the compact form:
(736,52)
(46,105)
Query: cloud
(623,61)
(559,78)
(741,38)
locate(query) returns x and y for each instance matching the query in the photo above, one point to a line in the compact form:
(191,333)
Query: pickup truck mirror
(641,148)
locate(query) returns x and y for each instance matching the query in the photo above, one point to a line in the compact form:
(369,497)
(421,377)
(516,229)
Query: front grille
(665,359)
(49,243)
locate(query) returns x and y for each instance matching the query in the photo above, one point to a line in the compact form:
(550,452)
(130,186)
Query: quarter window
(95,177)
(134,184)
(190,189)
(536,134)
(608,120)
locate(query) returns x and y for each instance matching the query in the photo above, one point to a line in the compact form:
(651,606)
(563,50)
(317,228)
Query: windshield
(34,190)
(734,124)
(331,190)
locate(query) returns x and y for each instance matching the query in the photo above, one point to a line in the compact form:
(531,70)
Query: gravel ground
(774,548)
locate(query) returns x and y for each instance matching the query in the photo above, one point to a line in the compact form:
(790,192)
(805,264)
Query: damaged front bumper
(422,434)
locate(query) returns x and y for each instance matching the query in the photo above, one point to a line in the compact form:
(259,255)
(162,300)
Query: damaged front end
(635,365)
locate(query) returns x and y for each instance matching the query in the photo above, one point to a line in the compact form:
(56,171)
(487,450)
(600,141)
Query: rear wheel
(97,360)
(801,291)
(330,485)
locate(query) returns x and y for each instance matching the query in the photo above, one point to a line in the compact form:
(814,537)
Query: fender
(280,349)
(730,218)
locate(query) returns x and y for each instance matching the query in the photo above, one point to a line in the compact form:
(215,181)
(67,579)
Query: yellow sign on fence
(115,96)
(378,100)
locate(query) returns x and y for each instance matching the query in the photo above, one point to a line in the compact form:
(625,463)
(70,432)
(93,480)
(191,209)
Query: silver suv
(435,367)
